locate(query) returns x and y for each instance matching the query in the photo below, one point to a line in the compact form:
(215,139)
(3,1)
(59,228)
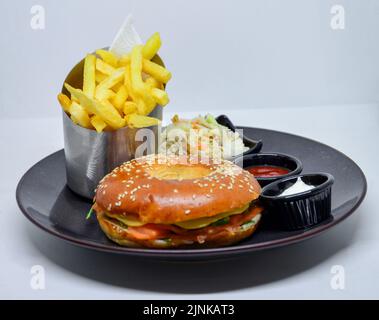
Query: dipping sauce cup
(283,163)
(301,201)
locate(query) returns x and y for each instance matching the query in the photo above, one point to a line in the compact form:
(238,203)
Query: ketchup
(267,171)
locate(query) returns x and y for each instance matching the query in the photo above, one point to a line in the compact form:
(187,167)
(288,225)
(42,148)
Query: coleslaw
(201,136)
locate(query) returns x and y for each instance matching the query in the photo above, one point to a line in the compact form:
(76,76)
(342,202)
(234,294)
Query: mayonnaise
(298,187)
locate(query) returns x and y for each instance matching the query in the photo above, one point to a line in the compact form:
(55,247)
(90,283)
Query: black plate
(45,200)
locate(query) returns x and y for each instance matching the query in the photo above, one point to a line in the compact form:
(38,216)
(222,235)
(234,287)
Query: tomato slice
(238,219)
(148,232)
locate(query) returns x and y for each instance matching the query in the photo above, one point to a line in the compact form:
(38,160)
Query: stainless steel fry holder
(91,155)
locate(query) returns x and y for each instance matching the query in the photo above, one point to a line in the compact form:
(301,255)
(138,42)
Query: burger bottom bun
(113,232)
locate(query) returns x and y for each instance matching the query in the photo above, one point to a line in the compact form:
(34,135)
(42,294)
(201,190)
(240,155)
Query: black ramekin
(300,210)
(254,146)
(272,159)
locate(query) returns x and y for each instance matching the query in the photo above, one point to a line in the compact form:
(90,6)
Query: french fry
(124,60)
(79,115)
(152,46)
(136,70)
(98,123)
(85,101)
(108,57)
(141,107)
(150,104)
(130,107)
(160,96)
(107,112)
(65,102)
(119,99)
(107,94)
(145,106)
(128,84)
(108,104)
(74,99)
(100,76)
(156,71)
(138,121)
(153,83)
(146,103)
(89,82)
(117,86)
(116,77)
(104,67)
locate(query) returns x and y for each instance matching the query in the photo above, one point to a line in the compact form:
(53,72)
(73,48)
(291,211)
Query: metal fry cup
(91,155)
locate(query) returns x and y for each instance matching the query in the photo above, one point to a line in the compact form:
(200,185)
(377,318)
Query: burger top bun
(169,189)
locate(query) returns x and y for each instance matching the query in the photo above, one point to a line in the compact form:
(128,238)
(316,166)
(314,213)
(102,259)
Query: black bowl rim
(251,151)
(297,170)
(258,144)
(301,195)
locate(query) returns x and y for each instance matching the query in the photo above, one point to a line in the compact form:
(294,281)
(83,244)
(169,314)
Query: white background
(273,64)
(223,54)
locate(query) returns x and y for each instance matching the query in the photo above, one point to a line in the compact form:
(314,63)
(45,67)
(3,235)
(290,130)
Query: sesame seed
(187,211)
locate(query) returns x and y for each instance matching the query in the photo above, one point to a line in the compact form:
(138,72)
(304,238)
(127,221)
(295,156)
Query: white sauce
(298,187)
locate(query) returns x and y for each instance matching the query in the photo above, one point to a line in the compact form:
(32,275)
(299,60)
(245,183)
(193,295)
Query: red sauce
(267,171)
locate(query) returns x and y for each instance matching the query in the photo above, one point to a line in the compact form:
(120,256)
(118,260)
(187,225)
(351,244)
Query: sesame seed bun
(168,189)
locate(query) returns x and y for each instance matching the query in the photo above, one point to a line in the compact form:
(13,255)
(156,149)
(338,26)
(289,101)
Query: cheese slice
(203,222)
(189,224)
(127,220)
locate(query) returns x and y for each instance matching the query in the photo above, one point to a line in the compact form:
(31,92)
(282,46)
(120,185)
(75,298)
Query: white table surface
(298,271)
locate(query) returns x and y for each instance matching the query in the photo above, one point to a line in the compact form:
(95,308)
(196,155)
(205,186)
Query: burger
(161,201)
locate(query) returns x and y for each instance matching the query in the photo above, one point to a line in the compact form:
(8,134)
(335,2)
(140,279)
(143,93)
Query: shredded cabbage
(201,136)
